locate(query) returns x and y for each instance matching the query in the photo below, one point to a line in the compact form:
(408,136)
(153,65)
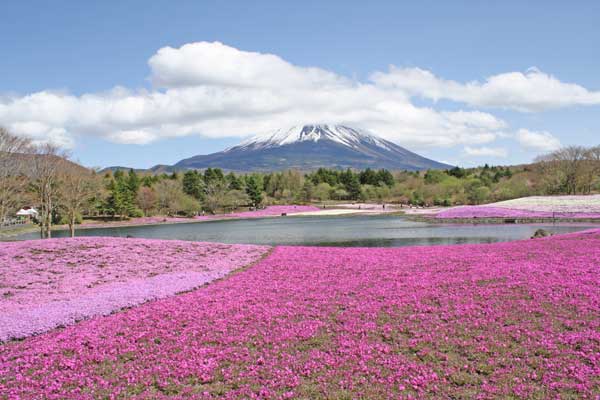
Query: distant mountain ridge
(157,169)
(308,147)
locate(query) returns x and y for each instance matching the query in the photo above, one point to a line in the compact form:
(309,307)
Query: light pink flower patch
(506,320)
(57,282)
(503,212)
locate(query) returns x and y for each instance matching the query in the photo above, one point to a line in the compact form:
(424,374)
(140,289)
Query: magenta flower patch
(506,320)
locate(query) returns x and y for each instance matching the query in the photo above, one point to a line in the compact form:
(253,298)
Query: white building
(27,212)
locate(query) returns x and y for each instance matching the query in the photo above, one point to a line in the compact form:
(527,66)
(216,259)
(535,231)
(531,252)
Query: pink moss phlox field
(502,212)
(269,211)
(506,320)
(46,283)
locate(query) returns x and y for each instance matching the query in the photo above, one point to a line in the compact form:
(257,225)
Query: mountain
(309,147)
(156,170)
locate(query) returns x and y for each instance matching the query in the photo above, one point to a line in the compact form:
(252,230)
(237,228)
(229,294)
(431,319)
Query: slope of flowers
(48,283)
(561,204)
(502,212)
(564,207)
(269,211)
(507,320)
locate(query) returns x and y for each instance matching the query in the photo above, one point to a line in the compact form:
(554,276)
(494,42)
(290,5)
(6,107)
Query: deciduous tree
(12,174)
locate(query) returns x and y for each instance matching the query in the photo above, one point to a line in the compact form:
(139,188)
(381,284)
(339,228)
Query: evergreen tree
(149,180)
(368,177)
(233,182)
(133,182)
(123,192)
(213,175)
(193,185)
(385,176)
(307,191)
(254,190)
(351,184)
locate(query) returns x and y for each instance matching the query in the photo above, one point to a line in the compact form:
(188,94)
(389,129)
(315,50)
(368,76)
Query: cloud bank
(214,90)
(497,152)
(528,92)
(540,141)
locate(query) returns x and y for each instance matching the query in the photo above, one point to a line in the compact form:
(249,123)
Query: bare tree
(171,200)
(215,195)
(147,199)
(235,198)
(564,170)
(593,168)
(12,176)
(44,170)
(168,192)
(77,189)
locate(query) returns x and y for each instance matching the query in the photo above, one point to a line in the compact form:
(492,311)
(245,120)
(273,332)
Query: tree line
(64,192)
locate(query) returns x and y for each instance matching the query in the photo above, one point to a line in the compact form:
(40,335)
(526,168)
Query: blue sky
(62,60)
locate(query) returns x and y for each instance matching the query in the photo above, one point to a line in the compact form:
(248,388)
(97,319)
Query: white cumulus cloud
(214,90)
(531,91)
(498,152)
(540,141)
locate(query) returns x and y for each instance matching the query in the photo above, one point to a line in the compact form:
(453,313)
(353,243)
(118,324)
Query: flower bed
(501,212)
(516,319)
(269,211)
(56,282)
(534,207)
(588,204)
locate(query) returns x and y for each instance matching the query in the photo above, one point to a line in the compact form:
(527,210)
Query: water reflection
(363,231)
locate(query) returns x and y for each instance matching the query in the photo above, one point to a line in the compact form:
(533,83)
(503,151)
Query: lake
(366,230)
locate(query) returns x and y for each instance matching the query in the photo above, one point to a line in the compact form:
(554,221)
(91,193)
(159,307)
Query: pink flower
(500,320)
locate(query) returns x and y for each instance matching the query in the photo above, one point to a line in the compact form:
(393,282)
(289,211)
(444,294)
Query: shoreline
(11,233)
(500,220)
(6,235)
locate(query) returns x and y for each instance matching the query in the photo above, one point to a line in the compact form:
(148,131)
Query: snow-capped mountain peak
(344,135)
(308,147)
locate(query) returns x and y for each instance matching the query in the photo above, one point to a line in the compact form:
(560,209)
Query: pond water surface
(367,231)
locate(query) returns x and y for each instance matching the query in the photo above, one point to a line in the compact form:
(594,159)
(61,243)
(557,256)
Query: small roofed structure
(27,212)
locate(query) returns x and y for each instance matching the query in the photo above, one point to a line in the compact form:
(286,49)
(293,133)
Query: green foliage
(376,178)
(233,182)
(215,191)
(133,182)
(351,184)
(122,195)
(322,191)
(433,176)
(64,220)
(324,175)
(193,185)
(457,172)
(187,205)
(477,192)
(212,175)
(254,190)
(306,194)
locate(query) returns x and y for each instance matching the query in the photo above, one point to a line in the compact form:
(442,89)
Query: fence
(7,223)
